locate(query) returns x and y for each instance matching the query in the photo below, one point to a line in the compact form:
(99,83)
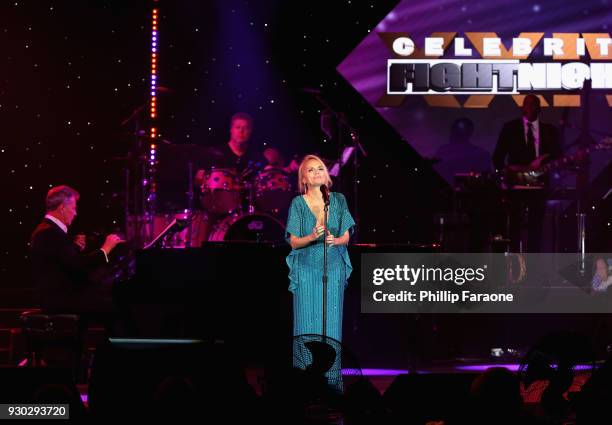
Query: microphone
(325,192)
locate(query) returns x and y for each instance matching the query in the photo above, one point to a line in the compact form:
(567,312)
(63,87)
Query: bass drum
(249,228)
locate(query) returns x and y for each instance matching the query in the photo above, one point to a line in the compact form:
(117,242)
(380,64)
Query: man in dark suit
(59,269)
(526,144)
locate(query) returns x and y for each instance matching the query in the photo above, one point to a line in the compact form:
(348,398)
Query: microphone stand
(357,147)
(325,210)
(344,124)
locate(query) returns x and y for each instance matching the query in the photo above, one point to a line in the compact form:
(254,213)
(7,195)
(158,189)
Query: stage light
(151,184)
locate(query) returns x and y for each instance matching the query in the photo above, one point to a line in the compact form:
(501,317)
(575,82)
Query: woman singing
(306,233)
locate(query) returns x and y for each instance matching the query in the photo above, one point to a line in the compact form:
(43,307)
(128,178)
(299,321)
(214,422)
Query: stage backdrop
(75,85)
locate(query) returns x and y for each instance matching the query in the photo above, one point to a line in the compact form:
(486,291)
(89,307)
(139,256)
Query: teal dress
(306,269)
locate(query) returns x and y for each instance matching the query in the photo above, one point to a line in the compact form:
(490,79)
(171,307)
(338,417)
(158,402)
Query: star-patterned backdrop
(75,80)
(75,83)
(71,73)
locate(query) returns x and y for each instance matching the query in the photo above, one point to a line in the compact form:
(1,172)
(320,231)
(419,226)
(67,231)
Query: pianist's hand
(111,242)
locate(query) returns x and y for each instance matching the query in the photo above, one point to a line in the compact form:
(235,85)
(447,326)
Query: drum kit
(246,209)
(224,192)
(219,205)
(231,207)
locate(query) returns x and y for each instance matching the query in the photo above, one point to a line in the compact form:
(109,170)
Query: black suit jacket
(511,148)
(60,273)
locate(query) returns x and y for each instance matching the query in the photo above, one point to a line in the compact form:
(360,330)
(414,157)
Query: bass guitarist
(526,144)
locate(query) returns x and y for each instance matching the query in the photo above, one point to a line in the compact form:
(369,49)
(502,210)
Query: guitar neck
(568,159)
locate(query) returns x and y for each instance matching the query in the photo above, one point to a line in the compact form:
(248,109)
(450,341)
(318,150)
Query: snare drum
(248,228)
(221,191)
(273,192)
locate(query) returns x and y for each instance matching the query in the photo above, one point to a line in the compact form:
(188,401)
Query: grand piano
(235,292)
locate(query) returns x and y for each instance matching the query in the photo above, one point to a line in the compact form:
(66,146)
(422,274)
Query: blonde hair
(302,173)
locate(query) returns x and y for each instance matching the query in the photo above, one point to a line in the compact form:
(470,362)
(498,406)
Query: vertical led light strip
(153,112)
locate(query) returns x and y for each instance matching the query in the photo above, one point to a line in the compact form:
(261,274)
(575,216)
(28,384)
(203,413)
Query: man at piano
(523,146)
(59,268)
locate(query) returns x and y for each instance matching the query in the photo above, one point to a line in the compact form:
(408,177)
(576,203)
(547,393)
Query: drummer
(237,155)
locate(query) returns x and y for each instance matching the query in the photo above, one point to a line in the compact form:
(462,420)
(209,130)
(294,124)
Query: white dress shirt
(59,223)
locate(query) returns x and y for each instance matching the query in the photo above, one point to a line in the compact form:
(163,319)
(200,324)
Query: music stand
(177,225)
